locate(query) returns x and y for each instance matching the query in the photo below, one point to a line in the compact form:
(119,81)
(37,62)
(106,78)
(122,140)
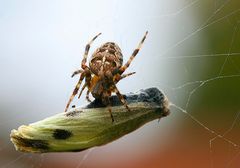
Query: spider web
(193,81)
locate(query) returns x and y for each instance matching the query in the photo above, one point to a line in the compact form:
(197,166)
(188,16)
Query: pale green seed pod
(83,128)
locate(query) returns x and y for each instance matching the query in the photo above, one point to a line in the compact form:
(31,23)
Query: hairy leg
(87,96)
(118,77)
(84,60)
(84,86)
(77,72)
(106,102)
(84,73)
(123,68)
(126,75)
(75,91)
(121,98)
(88,78)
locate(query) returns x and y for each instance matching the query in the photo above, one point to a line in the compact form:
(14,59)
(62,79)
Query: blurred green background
(191,54)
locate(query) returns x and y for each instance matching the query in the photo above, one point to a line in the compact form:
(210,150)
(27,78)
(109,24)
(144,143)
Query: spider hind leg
(121,98)
(107,103)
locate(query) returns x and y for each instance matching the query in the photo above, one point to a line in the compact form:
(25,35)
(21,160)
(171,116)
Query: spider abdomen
(108,57)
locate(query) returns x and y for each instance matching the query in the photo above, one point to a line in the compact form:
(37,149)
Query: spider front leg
(77,72)
(84,60)
(87,96)
(83,73)
(75,91)
(135,52)
(84,86)
(88,78)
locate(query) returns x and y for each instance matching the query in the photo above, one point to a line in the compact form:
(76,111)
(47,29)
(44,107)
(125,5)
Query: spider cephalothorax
(105,70)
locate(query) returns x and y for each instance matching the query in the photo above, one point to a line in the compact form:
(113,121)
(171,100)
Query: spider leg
(88,78)
(120,96)
(87,50)
(126,75)
(107,103)
(110,111)
(84,86)
(123,68)
(118,77)
(109,108)
(75,91)
(77,72)
(87,96)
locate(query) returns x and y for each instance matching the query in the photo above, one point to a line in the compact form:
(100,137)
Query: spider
(105,70)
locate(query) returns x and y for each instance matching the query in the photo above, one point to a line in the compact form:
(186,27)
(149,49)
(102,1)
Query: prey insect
(105,70)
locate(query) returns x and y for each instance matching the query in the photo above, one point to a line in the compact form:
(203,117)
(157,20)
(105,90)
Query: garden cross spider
(105,70)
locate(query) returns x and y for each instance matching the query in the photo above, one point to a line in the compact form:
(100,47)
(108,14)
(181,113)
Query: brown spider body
(108,56)
(105,70)
(104,61)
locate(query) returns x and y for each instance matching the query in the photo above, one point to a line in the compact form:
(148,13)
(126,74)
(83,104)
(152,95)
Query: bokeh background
(191,54)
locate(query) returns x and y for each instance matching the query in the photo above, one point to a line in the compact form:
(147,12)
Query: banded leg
(77,72)
(106,102)
(123,68)
(126,75)
(118,77)
(121,98)
(87,96)
(84,86)
(88,78)
(109,109)
(86,51)
(110,112)
(75,91)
